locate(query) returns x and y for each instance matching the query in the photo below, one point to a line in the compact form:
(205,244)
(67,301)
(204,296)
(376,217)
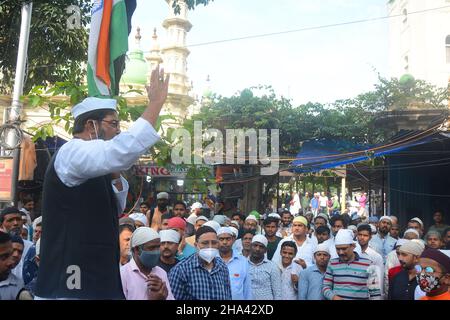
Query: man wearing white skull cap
(170,240)
(382,242)
(142,279)
(83,183)
(265,275)
(237,265)
(311,279)
(350,276)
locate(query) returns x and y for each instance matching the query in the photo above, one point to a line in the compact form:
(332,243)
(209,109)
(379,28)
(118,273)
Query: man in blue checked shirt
(203,275)
(241,286)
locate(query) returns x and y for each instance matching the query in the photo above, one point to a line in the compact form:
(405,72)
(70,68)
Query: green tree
(55,53)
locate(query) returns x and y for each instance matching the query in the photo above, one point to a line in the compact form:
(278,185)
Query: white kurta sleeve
(121,195)
(80,160)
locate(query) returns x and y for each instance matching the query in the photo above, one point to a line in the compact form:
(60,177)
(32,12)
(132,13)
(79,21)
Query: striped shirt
(266,280)
(190,280)
(356,280)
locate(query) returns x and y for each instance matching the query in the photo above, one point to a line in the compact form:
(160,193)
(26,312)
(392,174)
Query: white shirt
(323,201)
(79,160)
(418,293)
(377,260)
(305,251)
(287,287)
(17,271)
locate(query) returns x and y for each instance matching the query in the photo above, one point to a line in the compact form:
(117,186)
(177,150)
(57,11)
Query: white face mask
(208,254)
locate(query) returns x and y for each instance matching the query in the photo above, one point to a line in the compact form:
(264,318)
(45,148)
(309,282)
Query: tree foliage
(349,119)
(55,52)
(191,4)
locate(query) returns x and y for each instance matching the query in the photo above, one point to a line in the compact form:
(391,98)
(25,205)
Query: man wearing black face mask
(141,278)
(154,215)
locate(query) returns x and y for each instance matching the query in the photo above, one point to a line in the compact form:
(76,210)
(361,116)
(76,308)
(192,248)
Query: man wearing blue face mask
(141,278)
(203,275)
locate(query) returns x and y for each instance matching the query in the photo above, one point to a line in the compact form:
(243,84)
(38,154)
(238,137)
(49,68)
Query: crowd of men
(171,253)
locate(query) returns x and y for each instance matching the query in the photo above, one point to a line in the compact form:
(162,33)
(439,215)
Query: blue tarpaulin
(323,154)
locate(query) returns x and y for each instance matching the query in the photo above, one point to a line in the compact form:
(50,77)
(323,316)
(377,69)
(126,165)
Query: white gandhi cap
(91,103)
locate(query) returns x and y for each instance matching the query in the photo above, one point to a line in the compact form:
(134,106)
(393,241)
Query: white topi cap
(91,104)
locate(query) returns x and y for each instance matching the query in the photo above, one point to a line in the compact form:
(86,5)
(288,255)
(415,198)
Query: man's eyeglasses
(113,123)
(428,269)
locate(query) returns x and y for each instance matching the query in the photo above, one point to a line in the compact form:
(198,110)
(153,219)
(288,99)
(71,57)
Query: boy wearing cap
(83,183)
(141,278)
(310,279)
(199,221)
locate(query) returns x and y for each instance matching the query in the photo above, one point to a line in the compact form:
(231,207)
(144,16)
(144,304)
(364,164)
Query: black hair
(25,201)
(202,230)
(4,237)
(323,229)
(180,202)
(97,115)
(145,204)
(339,218)
(17,239)
(126,226)
(285,212)
(245,231)
(364,227)
(445,231)
(289,244)
(8,210)
(241,216)
(270,220)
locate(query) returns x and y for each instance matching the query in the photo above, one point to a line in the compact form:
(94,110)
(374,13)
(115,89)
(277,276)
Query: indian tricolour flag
(108,45)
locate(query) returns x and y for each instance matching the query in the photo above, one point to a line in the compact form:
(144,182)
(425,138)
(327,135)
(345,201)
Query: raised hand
(157,94)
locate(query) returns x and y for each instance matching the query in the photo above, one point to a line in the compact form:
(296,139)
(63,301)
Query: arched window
(447,48)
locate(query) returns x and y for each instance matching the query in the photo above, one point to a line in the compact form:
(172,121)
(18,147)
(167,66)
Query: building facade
(419,40)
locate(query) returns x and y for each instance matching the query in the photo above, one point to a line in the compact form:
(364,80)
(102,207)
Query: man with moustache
(83,183)
(350,276)
(382,242)
(404,283)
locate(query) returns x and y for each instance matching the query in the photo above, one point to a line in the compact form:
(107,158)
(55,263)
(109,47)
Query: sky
(316,65)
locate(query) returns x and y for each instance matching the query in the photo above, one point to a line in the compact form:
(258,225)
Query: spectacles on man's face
(113,123)
(427,269)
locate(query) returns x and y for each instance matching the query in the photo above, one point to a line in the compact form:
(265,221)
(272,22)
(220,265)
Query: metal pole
(16,106)
(13,114)
(21,61)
